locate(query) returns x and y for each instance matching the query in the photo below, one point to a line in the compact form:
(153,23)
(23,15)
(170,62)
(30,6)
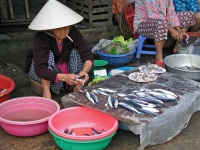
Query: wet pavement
(188,139)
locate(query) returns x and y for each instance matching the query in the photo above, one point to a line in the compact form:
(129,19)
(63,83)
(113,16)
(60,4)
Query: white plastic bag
(102,43)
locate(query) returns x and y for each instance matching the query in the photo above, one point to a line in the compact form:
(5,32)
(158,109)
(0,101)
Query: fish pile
(147,73)
(87,133)
(142,77)
(152,68)
(187,68)
(141,101)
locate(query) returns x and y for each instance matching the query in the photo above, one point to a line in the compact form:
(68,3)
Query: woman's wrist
(179,30)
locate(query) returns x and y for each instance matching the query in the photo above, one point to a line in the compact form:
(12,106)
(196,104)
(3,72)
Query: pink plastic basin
(81,120)
(8,84)
(27,116)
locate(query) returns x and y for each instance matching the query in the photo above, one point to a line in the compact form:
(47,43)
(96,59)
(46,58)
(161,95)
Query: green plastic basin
(66,144)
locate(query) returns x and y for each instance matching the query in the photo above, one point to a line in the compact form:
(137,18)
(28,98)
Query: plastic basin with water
(27,116)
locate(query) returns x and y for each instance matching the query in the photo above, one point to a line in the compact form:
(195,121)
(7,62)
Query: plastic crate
(95,12)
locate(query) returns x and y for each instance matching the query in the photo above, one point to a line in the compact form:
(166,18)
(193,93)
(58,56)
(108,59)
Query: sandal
(160,64)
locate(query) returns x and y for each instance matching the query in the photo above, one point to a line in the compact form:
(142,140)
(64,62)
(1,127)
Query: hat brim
(54,15)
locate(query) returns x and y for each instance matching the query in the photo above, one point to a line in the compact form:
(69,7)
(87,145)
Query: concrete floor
(188,139)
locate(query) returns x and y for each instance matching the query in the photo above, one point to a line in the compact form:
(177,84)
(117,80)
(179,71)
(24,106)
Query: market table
(152,130)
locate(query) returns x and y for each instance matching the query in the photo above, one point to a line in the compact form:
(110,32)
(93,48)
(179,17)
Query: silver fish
(92,97)
(95,132)
(122,95)
(153,100)
(151,109)
(102,92)
(163,97)
(131,101)
(112,101)
(167,92)
(129,107)
(107,90)
(149,105)
(94,91)
(147,112)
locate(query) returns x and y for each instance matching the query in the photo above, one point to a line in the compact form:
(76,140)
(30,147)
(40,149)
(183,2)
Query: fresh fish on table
(129,107)
(151,109)
(162,96)
(92,97)
(107,90)
(167,92)
(146,111)
(132,102)
(99,92)
(112,101)
(122,95)
(150,105)
(152,99)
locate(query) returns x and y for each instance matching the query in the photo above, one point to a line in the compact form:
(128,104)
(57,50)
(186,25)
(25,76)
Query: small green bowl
(66,144)
(100,63)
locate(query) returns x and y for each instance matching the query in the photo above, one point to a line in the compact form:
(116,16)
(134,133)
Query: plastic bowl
(81,120)
(67,144)
(7,84)
(117,60)
(27,116)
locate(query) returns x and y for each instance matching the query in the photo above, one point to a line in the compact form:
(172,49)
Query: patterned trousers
(75,65)
(157,29)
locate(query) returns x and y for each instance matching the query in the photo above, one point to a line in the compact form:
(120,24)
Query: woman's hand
(68,78)
(178,35)
(175,34)
(85,75)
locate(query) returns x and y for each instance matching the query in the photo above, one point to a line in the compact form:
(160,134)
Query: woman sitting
(155,18)
(60,54)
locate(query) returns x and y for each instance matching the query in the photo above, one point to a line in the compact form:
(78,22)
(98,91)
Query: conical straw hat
(54,15)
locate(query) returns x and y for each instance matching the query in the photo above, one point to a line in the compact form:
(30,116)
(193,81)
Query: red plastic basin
(8,84)
(81,120)
(27,116)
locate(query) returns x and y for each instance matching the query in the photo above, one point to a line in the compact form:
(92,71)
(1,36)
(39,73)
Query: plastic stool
(141,45)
